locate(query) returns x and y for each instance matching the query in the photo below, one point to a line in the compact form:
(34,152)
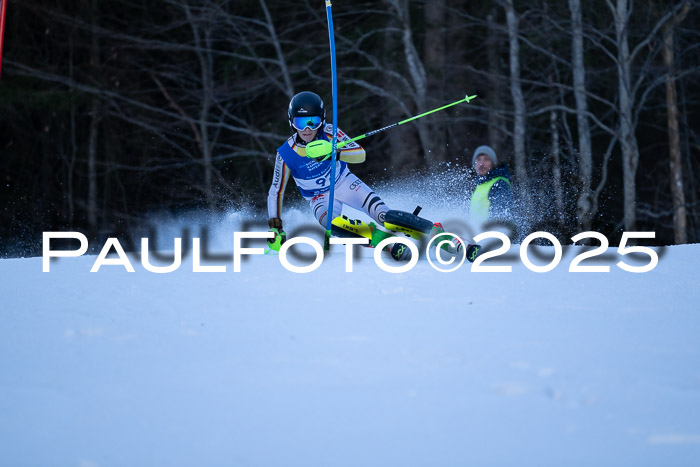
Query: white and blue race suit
(313,180)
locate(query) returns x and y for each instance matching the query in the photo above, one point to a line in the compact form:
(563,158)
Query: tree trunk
(284,69)
(207,100)
(628,139)
(495,129)
(94,125)
(680,225)
(556,168)
(434,53)
(418,77)
(403,145)
(73,140)
(203,51)
(585,211)
(518,99)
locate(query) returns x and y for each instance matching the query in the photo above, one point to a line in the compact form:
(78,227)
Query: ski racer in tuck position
(307,121)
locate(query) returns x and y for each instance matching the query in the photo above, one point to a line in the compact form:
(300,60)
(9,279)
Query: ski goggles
(312,122)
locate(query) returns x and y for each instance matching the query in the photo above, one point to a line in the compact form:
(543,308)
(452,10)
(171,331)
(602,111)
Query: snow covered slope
(270,368)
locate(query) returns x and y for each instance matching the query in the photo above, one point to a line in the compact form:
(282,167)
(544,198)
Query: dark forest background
(113,109)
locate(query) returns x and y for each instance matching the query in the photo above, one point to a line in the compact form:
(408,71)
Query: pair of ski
(406,223)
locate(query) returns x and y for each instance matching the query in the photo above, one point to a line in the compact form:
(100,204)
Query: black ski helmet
(306,104)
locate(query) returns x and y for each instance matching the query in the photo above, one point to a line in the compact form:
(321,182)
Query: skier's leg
(341,226)
(319,206)
(351,191)
(355,193)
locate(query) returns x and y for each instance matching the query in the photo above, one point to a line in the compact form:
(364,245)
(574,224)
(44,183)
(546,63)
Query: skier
(493,196)
(307,120)
(307,116)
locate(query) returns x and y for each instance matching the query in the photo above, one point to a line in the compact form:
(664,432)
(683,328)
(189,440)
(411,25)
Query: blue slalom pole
(331,194)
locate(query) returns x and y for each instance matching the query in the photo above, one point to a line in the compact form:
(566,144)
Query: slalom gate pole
(320,148)
(334,81)
(3,7)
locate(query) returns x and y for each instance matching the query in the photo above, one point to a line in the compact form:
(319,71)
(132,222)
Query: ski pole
(322,148)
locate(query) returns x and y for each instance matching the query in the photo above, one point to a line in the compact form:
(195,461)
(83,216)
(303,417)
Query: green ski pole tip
(468,97)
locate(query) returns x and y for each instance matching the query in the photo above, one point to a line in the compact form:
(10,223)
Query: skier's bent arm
(352,156)
(352,153)
(275,197)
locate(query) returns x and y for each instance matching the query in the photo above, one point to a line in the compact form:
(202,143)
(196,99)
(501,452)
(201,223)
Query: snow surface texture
(271,368)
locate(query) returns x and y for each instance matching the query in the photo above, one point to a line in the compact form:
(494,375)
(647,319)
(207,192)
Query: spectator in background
(493,197)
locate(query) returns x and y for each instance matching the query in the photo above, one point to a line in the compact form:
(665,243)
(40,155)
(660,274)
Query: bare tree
(585,211)
(633,91)
(124,105)
(281,60)
(401,145)
(518,99)
(556,168)
(495,120)
(419,78)
(630,151)
(435,55)
(95,115)
(680,224)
